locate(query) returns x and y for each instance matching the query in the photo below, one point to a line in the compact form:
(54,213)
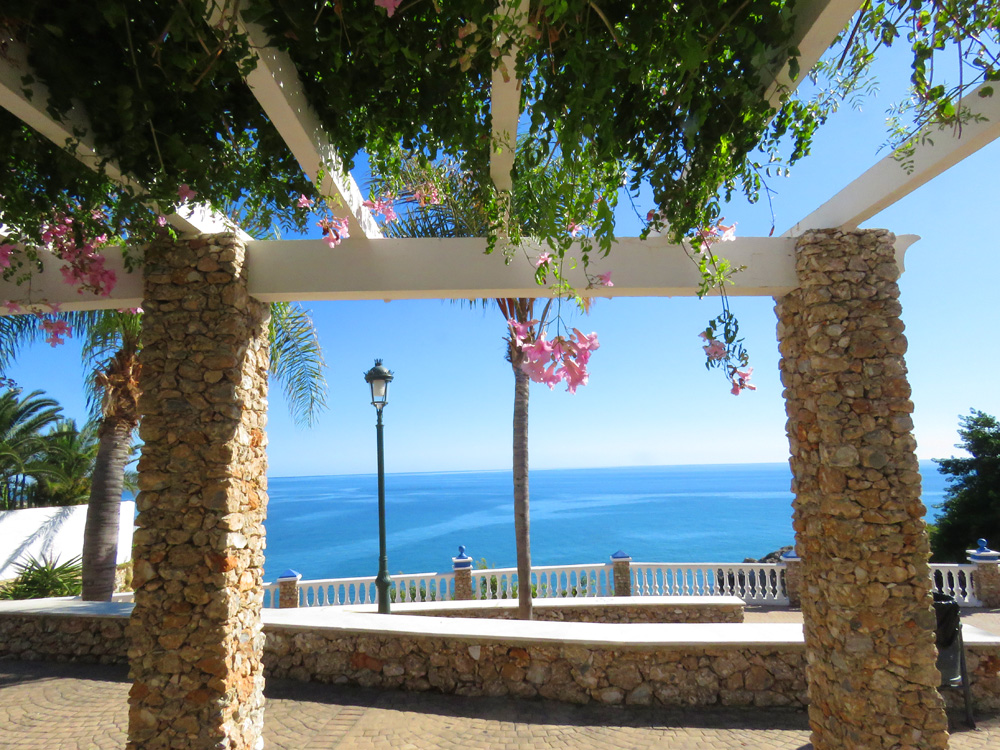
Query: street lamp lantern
(379,378)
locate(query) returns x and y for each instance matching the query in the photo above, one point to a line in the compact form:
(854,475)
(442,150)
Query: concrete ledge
(602,609)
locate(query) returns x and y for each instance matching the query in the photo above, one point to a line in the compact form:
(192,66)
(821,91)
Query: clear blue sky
(650,400)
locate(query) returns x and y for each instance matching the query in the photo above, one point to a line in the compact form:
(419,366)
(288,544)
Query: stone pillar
(195,633)
(986,578)
(621,565)
(462,566)
(793,578)
(288,589)
(866,586)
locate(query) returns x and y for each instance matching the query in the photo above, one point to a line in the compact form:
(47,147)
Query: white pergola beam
(937,150)
(817,24)
(505,108)
(395,269)
(277,86)
(74,128)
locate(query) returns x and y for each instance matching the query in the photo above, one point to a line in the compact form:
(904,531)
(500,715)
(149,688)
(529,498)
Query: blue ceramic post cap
(984,554)
(463,560)
(619,555)
(290,575)
(790,555)
(461,553)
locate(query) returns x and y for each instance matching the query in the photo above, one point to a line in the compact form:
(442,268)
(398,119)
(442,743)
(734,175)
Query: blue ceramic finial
(461,552)
(982,545)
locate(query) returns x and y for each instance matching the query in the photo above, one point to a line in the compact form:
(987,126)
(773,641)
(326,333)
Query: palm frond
(297,361)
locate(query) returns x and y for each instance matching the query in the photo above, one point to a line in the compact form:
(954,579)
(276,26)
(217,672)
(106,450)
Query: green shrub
(41,579)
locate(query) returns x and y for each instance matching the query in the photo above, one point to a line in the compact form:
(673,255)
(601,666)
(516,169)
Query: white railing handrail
(755,583)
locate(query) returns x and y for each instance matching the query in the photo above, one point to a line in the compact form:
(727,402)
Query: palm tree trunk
(521,520)
(100,538)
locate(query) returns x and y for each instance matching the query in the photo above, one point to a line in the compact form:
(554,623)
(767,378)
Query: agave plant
(40,579)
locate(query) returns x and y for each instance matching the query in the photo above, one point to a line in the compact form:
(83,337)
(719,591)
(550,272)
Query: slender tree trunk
(521,520)
(100,538)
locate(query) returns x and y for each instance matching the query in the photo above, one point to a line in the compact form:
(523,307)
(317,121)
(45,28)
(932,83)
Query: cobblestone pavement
(45,706)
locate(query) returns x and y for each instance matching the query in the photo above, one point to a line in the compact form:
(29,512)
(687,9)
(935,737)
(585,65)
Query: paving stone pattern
(46,706)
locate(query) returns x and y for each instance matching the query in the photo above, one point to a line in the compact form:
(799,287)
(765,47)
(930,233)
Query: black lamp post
(379,378)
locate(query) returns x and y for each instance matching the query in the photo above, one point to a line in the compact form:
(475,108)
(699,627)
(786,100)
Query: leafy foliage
(171,109)
(39,579)
(971,509)
(23,422)
(69,459)
(953,46)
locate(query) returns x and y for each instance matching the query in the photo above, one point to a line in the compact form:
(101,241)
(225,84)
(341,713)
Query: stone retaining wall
(740,675)
(682,676)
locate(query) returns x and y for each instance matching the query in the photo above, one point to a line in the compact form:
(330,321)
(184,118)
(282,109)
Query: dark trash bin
(951,649)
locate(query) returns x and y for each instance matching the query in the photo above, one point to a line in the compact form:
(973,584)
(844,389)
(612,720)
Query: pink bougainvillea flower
(5,252)
(304,202)
(741,381)
(185,193)
(574,375)
(521,330)
(383,206)
(161,220)
(728,234)
(131,310)
(55,331)
(389,5)
(13,307)
(334,230)
(543,259)
(574,229)
(605,278)
(715,350)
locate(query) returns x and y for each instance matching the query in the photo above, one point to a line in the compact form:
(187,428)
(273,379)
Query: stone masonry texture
(622,577)
(858,518)
(986,581)
(674,676)
(195,633)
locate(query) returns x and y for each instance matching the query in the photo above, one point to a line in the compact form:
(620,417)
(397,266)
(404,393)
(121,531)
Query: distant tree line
(971,509)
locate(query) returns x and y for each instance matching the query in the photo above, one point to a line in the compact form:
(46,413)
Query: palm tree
(22,444)
(112,341)
(460,214)
(69,457)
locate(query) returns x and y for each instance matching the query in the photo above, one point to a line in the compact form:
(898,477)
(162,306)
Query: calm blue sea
(327,527)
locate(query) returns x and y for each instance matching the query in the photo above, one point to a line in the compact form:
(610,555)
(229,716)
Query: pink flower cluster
(55,330)
(562,358)
(427,193)
(718,232)
(715,350)
(334,230)
(383,206)
(389,5)
(84,265)
(741,381)
(6,251)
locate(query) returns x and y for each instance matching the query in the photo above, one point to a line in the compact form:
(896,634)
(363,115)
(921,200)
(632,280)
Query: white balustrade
(423,587)
(754,583)
(955,581)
